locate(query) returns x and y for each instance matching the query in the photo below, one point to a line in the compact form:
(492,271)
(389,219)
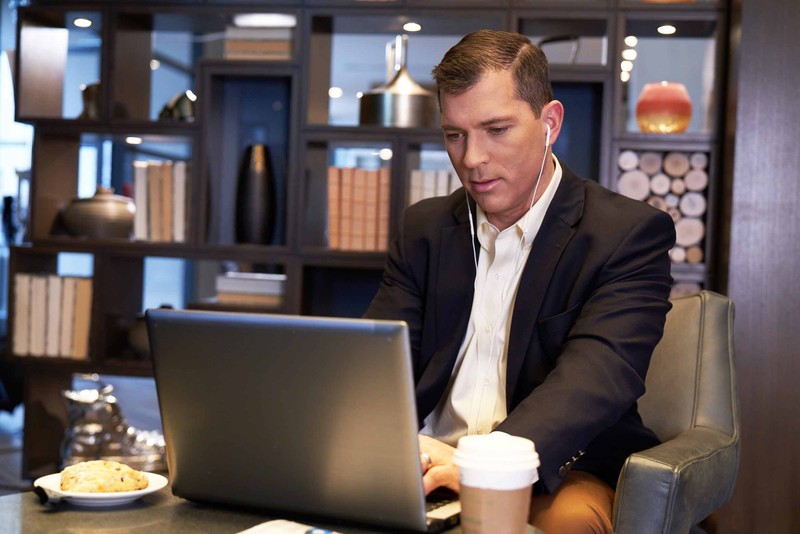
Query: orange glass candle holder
(664,107)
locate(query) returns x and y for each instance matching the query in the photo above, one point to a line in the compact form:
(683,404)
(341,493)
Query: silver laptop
(304,415)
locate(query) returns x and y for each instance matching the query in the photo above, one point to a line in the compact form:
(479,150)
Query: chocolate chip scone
(102,476)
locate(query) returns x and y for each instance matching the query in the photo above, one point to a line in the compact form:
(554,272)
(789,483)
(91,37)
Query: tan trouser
(582,504)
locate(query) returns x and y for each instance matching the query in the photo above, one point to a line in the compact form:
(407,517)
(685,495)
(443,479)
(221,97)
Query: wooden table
(22,513)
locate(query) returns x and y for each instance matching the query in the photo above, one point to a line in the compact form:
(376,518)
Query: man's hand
(441,471)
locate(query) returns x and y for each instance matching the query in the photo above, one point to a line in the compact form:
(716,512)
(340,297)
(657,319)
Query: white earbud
(547,139)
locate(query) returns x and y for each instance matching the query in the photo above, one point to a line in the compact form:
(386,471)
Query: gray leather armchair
(691,404)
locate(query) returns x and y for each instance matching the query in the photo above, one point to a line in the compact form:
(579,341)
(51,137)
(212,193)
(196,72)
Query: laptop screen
(298,414)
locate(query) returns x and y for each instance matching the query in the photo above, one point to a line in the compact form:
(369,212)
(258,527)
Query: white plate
(52,484)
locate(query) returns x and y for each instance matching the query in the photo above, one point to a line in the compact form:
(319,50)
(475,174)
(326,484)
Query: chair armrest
(671,487)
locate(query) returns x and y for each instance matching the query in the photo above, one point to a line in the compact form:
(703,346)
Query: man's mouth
(484,186)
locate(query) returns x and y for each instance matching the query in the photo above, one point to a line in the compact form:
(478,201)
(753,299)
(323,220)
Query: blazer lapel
(556,231)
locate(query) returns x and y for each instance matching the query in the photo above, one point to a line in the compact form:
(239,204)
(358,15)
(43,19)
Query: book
(179,201)
(140,219)
(415,186)
(384,207)
(67,334)
(346,212)
(334,213)
(83,318)
(371,210)
(357,230)
(154,195)
(38,313)
(428,184)
(442,187)
(53,330)
(22,313)
(251,283)
(250,299)
(166,204)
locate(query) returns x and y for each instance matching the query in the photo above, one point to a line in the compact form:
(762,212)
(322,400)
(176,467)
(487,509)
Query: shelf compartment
(244,106)
(59,65)
(69,165)
(347,192)
(348,51)
(339,292)
(165,47)
(690,56)
(568,40)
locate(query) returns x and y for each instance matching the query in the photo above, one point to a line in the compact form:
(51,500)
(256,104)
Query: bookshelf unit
(285,104)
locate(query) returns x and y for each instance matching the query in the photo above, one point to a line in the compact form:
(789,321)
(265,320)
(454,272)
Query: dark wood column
(763,265)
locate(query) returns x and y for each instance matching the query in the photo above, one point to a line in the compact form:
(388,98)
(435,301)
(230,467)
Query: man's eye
(498,131)
(453,136)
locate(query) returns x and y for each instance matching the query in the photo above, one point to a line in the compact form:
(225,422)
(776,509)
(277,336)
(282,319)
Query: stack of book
(263,44)
(426,184)
(358,208)
(161,195)
(251,289)
(52,315)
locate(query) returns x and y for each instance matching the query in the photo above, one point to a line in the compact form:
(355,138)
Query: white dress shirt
(475,399)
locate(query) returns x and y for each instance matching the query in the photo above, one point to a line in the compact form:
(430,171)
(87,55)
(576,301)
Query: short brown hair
(491,50)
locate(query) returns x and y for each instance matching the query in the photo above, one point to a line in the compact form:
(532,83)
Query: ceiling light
(629,54)
(624,76)
(412,27)
(264,20)
(82,22)
(131,140)
(631,41)
(190,95)
(666,29)
(385,154)
(626,66)
(335,92)
(154,64)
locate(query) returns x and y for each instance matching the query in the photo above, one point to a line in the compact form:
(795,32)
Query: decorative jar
(664,108)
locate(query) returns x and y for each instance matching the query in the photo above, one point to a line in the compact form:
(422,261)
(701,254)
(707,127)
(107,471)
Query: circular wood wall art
(677,254)
(693,204)
(675,213)
(627,160)
(698,160)
(660,184)
(657,202)
(672,200)
(676,164)
(678,186)
(634,184)
(689,231)
(650,162)
(694,254)
(696,180)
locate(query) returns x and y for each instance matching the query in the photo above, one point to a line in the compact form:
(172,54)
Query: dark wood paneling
(762,275)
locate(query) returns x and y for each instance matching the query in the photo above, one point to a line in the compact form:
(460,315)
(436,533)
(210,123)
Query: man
(543,324)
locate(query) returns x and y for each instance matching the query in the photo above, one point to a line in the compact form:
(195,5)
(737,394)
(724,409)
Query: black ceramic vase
(255,197)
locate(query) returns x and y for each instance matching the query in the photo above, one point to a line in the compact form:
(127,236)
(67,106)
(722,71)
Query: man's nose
(475,153)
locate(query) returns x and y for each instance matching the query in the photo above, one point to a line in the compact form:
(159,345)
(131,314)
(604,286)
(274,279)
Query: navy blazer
(590,308)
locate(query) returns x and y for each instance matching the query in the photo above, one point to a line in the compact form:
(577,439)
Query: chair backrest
(691,380)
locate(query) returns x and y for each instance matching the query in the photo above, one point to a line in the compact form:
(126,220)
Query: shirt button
(488,329)
(480,431)
(498,276)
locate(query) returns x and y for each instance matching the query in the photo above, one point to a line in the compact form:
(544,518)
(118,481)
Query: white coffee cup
(497,472)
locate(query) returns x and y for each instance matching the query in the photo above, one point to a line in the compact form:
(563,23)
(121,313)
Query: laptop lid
(299,414)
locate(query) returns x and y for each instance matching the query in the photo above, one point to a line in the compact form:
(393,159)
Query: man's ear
(553,116)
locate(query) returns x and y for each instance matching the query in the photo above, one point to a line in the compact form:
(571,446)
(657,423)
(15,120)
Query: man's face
(496,145)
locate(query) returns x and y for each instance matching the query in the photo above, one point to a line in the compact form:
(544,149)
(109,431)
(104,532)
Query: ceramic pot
(664,108)
(255,197)
(103,216)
